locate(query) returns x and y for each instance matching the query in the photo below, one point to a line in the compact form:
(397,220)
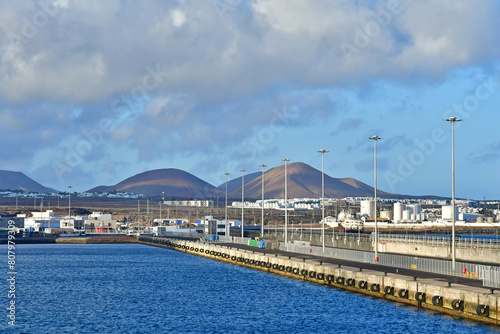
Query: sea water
(133,288)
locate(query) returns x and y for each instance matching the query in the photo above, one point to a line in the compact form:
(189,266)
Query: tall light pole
(375,138)
(286,203)
(262,220)
(242,200)
(69,202)
(323,151)
(162,200)
(226,226)
(452,120)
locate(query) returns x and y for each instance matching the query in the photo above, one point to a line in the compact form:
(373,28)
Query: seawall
(458,300)
(100,239)
(96,240)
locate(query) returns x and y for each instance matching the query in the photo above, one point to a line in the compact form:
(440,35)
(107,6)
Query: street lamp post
(225,210)
(322,151)
(262,203)
(286,203)
(69,202)
(452,120)
(242,200)
(375,138)
(162,200)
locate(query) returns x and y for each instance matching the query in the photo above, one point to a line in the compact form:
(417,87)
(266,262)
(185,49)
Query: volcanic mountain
(304,181)
(18,181)
(174,183)
(236,183)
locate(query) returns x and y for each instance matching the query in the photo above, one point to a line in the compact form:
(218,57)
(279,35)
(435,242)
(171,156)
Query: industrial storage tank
(386,214)
(398,212)
(480,220)
(367,208)
(415,208)
(447,212)
(490,220)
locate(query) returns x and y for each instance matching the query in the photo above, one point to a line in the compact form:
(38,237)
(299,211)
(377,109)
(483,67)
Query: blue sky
(93,92)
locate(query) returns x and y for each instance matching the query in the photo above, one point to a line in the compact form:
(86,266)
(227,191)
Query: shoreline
(74,240)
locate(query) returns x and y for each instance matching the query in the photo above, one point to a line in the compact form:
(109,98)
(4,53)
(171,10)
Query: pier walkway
(416,274)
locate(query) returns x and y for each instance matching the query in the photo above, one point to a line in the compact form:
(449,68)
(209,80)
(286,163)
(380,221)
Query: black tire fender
(483,310)
(457,304)
(437,300)
(403,293)
(420,297)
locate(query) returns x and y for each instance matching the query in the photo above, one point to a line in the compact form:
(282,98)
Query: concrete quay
(456,296)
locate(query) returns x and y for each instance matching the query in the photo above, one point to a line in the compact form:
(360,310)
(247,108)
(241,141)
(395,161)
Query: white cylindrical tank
(415,208)
(398,212)
(490,220)
(480,220)
(406,214)
(447,211)
(368,208)
(386,214)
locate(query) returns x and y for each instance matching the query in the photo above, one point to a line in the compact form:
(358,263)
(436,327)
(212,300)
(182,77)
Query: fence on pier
(490,275)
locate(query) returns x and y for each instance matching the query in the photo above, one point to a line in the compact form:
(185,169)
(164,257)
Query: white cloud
(178,18)
(227,73)
(90,50)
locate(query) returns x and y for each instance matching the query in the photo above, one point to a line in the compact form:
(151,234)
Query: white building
(173,221)
(41,220)
(200,203)
(102,223)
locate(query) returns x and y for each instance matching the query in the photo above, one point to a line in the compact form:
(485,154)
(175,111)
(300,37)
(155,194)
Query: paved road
(369,266)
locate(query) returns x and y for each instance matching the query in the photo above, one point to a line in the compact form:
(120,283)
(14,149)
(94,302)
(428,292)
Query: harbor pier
(452,295)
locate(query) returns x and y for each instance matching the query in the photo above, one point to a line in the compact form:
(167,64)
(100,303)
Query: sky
(93,92)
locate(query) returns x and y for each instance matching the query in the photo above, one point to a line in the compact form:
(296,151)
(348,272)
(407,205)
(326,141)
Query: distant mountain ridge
(10,180)
(304,181)
(168,182)
(236,183)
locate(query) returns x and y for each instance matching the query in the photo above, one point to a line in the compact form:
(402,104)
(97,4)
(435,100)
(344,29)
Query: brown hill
(235,183)
(304,181)
(175,183)
(18,181)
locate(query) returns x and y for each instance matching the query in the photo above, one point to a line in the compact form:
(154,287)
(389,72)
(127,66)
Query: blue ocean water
(133,288)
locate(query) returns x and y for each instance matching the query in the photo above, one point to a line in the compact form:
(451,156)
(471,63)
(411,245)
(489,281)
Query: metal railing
(460,242)
(431,240)
(490,275)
